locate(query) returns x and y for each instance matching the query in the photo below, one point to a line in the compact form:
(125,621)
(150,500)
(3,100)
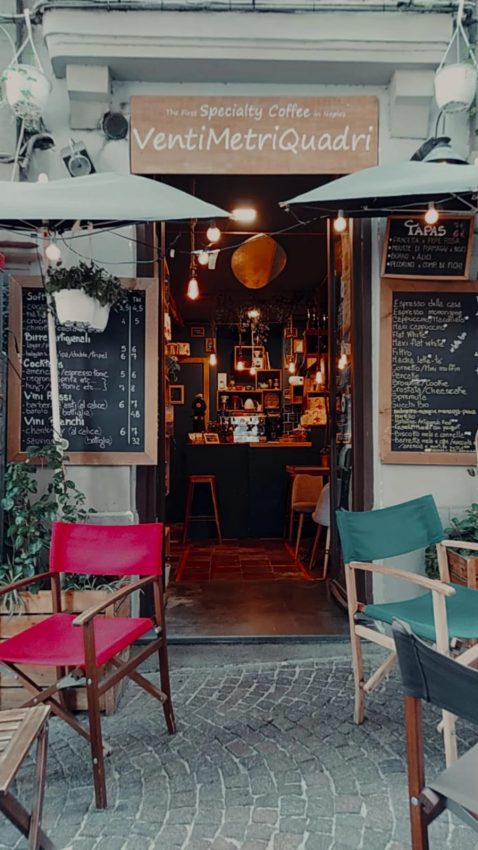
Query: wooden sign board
(441,251)
(429,372)
(108,381)
(253,135)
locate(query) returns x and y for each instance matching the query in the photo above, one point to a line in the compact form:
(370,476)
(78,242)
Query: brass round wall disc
(258,261)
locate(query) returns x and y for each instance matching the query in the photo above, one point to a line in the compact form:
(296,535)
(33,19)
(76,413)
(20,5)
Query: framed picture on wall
(211,438)
(196,437)
(250,356)
(176,393)
(198,331)
(209,345)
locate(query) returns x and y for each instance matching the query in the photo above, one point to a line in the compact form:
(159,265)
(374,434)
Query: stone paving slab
(266,757)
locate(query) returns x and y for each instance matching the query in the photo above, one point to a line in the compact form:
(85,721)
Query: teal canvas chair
(440,614)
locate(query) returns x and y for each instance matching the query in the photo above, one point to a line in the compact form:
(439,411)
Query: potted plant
(26,89)
(84,294)
(462,562)
(455,82)
(28,517)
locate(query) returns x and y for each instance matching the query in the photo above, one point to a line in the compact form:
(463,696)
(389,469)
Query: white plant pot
(455,87)
(76,309)
(26,89)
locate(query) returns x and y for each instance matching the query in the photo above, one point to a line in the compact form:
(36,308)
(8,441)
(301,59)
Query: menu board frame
(416,276)
(388,288)
(96,458)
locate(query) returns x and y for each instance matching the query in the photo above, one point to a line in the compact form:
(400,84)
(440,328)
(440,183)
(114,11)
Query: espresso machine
(273,426)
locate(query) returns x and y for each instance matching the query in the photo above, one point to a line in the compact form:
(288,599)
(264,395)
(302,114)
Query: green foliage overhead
(91,278)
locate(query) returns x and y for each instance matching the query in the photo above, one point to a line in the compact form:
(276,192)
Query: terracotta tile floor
(245,560)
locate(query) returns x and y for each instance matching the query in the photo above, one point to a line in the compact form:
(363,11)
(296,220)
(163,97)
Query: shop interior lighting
(203,258)
(340,222)
(193,288)
(253,371)
(244,215)
(213,233)
(254,313)
(432,215)
(291,367)
(213,359)
(342,361)
(319,378)
(52,252)
(240,362)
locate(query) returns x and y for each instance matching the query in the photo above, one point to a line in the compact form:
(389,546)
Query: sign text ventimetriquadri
(253,135)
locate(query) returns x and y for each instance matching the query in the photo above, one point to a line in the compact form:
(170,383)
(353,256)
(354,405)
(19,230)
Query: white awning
(104,199)
(407,186)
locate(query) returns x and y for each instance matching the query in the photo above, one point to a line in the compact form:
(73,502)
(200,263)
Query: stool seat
(305,507)
(189,517)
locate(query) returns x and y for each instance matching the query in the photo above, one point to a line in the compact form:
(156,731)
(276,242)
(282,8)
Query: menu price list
(101,379)
(434,372)
(416,249)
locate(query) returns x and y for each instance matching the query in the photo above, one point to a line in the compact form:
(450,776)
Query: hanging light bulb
(193,287)
(245,215)
(318,378)
(212,359)
(342,361)
(340,223)
(203,258)
(52,252)
(291,366)
(42,177)
(254,313)
(240,364)
(213,233)
(253,371)
(432,215)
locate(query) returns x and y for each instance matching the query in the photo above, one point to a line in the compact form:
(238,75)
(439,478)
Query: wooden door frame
(186,361)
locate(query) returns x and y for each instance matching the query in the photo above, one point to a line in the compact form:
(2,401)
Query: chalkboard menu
(419,250)
(429,372)
(107,380)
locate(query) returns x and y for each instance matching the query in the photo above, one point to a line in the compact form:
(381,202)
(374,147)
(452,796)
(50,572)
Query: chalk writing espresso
(434,371)
(414,248)
(101,379)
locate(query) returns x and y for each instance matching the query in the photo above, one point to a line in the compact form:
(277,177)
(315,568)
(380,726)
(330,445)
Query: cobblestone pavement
(266,758)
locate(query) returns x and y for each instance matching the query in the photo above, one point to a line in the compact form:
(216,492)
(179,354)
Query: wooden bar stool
(210,480)
(19,729)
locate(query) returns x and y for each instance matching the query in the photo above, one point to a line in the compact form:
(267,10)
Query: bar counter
(252,484)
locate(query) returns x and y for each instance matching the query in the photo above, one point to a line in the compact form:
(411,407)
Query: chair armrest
(90,613)
(422,581)
(24,582)
(459,544)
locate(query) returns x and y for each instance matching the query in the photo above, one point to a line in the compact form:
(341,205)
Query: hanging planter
(26,89)
(455,87)
(83,295)
(455,82)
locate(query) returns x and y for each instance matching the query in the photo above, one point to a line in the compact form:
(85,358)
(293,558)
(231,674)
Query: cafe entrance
(260,323)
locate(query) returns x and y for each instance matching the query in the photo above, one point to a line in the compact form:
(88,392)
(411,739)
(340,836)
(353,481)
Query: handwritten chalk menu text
(419,250)
(102,381)
(433,402)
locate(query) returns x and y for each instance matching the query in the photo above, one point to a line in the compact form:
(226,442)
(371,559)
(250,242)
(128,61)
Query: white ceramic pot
(74,308)
(455,87)
(27,90)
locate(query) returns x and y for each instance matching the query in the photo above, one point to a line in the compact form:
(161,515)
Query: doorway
(254,584)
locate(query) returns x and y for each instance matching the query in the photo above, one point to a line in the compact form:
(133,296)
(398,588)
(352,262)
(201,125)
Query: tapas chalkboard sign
(108,381)
(429,372)
(419,250)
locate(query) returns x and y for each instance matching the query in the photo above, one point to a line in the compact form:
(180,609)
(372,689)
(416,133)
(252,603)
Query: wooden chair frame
(33,725)
(440,590)
(94,677)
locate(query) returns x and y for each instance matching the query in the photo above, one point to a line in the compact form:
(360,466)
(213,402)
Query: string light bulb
(291,366)
(212,359)
(193,287)
(254,313)
(245,215)
(203,258)
(432,215)
(340,223)
(213,233)
(52,252)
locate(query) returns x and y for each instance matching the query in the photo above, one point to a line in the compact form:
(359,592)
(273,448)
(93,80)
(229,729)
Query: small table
(19,729)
